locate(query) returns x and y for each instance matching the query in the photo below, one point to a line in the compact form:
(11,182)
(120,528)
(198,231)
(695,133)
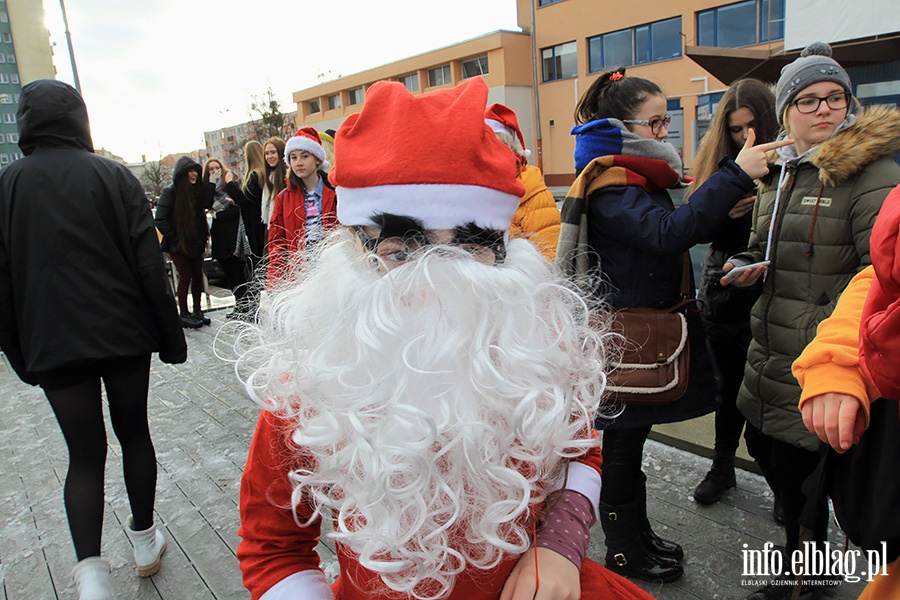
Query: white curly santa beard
(438,402)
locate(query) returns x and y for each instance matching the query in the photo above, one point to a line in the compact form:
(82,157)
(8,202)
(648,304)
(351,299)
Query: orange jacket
(537,218)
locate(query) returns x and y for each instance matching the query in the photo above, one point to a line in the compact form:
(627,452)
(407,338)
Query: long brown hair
(255,162)
(275,183)
(755,96)
(187,217)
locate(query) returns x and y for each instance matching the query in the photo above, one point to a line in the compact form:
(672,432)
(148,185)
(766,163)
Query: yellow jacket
(537,218)
(830,363)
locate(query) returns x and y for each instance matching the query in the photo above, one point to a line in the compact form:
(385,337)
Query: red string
(537,577)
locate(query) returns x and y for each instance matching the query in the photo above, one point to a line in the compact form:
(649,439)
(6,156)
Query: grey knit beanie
(814,65)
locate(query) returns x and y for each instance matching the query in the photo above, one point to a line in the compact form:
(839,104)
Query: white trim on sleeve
(309,585)
(586,481)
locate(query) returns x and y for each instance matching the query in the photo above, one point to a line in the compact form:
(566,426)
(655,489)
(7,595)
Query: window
(6,99)
(547,2)
(560,62)
(742,24)
(9,118)
(334,101)
(2,58)
(14,78)
(356,96)
(10,58)
(4,17)
(13,138)
(635,46)
(4,159)
(439,76)
(4,78)
(3,139)
(411,82)
(474,67)
(313,106)
(7,38)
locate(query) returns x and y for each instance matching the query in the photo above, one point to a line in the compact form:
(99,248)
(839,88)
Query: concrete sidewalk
(202,422)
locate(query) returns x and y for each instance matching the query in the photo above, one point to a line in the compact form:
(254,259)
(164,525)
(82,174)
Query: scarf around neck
(605,137)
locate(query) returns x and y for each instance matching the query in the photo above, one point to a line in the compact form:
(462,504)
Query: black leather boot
(626,553)
(198,315)
(719,479)
(189,322)
(652,542)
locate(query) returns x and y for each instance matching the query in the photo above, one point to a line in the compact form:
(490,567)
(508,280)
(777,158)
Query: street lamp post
(62,5)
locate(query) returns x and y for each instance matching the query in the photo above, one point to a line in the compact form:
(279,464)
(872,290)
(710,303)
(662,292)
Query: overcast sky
(156,75)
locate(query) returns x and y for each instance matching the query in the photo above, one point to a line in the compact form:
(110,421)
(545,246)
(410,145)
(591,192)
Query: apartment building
(502,58)
(693,49)
(25,55)
(227,144)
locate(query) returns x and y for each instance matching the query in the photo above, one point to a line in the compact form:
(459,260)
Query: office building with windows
(25,55)
(502,58)
(693,49)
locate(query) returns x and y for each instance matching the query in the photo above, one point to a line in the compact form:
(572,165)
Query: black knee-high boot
(626,553)
(652,542)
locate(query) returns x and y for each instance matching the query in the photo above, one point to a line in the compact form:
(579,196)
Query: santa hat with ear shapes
(428,156)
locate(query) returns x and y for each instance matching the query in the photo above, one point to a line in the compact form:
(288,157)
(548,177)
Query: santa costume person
(426,386)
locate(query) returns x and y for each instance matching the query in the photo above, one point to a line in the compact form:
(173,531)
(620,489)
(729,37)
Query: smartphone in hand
(737,271)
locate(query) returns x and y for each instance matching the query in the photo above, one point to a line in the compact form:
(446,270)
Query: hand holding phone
(737,271)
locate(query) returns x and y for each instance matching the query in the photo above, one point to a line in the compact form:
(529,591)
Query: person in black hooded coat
(84,298)
(181,219)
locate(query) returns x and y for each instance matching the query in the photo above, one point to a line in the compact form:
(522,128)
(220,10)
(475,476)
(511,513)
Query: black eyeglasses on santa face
(402,239)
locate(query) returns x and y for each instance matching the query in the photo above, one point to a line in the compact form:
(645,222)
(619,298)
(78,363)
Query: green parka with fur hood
(828,203)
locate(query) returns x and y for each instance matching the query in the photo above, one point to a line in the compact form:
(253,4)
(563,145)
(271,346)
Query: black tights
(79,412)
(190,275)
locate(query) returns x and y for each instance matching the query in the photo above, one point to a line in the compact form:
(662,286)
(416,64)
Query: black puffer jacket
(81,274)
(165,212)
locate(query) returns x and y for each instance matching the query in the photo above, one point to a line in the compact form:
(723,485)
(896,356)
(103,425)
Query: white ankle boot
(149,546)
(92,579)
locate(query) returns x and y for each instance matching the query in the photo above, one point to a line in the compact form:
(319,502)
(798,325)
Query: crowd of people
(434,356)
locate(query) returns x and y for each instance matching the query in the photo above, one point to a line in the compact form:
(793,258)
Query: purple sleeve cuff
(565,529)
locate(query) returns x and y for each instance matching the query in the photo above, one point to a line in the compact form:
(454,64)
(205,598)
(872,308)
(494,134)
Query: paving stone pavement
(202,422)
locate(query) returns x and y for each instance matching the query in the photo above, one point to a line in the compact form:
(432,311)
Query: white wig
(438,402)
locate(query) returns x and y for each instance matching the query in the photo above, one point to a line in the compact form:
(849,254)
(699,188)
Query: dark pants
(74,394)
(729,358)
(786,467)
(623,451)
(190,275)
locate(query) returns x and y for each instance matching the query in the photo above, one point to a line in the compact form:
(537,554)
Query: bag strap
(685,290)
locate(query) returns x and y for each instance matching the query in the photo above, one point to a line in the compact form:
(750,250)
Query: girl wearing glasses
(812,222)
(640,240)
(748,104)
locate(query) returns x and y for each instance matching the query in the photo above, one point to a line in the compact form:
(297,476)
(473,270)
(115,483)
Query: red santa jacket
(879,334)
(287,227)
(274,548)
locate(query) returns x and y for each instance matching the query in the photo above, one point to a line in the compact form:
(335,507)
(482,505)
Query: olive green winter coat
(825,214)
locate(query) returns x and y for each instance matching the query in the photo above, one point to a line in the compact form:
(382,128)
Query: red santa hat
(306,140)
(502,119)
(426,156)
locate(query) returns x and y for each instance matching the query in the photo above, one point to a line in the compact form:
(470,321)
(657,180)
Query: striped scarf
(573,253)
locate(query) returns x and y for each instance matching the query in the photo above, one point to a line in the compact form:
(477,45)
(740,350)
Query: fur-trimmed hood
(875,134)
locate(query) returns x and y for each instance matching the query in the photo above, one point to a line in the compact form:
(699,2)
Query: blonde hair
(212,159)
(255,162)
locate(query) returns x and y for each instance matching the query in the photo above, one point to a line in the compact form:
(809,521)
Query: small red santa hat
(427,156)
(306,140)
(502,119)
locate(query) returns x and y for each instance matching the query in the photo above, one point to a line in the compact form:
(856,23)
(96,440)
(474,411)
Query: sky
(156,75)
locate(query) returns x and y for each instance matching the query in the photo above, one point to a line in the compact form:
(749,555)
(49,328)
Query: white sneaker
(92,579)
(149,546)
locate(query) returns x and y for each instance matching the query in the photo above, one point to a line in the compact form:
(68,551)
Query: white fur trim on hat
(499,127)
(437,206)
(304,143)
